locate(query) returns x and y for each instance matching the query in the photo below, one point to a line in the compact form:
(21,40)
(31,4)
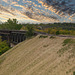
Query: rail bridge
(13,36)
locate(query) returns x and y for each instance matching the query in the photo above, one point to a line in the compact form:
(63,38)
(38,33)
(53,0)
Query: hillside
(39,56)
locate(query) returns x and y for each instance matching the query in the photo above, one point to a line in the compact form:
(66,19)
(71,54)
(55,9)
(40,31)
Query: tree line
(55,28)
(50,28)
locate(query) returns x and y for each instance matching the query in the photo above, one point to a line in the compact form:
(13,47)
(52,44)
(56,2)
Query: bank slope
(39,56)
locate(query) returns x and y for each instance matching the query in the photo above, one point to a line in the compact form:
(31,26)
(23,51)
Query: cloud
(13,3)
(29,13)
(5,10)
(40,17)
(60,8)
(19,5)
(39,10)
(18,0)
(5,1)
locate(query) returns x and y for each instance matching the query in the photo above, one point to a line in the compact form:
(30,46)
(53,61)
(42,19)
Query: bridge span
(13,36)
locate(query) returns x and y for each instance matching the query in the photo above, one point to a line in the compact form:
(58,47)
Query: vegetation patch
(71,70)
(62,50)
(45,45)
(30,31)
(57,32)
(73,73)
(52,37)
(43,36)
(68,41)
(4,46)
(67,44)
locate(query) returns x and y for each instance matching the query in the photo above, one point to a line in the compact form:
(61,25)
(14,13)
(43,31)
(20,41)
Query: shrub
(52,37)
(57,33)
(43,36)
(73,73)
(30,31)
(45,45)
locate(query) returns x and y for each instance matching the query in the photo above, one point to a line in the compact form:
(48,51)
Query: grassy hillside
(40,56)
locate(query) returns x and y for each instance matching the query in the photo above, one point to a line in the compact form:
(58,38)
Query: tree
(12,21)
(11,24)
(30,31)
(57,32)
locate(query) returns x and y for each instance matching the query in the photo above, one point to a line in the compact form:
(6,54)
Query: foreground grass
(38,56)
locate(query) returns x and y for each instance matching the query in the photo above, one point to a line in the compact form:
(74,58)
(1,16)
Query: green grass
(68,41)
(67,44)
(62,50)
(73,73)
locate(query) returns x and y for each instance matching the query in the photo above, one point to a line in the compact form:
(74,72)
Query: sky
(38,11)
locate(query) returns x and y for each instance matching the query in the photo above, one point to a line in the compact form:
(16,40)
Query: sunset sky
(38,11)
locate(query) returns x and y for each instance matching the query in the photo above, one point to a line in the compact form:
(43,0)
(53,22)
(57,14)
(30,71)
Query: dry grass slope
(39,56)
